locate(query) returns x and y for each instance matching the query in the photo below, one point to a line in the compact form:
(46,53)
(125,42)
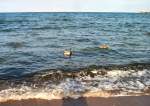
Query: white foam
(126,82)
(27,93)
(119,73)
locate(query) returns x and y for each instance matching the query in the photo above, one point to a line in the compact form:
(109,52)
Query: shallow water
(31,43)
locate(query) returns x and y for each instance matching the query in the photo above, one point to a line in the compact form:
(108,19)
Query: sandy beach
(92,101)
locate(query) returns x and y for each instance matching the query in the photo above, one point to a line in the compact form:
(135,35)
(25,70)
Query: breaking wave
(89,82)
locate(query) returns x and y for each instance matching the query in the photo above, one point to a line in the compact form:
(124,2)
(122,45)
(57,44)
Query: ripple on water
(148,33)
(2,60)
(15,45)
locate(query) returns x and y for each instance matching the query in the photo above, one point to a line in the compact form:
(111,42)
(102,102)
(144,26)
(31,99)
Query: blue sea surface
(30,42)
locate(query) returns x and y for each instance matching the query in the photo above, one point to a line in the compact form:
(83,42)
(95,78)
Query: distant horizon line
(69,12)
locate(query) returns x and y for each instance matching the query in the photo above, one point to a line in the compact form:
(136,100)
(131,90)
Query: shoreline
(83,101)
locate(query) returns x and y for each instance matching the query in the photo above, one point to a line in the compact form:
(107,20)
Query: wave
(25,93)
(15,44)
(96,82)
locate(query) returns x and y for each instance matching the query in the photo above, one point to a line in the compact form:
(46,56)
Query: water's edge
(94,81)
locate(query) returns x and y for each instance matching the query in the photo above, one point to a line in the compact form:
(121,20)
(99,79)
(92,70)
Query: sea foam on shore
(95,83)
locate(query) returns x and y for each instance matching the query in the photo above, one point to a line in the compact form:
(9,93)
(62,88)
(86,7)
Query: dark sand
(92,101)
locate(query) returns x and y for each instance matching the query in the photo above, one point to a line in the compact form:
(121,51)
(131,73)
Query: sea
(32,63)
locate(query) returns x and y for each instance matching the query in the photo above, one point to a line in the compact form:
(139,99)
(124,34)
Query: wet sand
(91,101)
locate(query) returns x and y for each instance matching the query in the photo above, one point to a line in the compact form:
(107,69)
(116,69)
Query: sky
(74,5)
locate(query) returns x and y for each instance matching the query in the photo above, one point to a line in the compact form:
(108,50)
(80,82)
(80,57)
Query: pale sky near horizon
(74,5)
